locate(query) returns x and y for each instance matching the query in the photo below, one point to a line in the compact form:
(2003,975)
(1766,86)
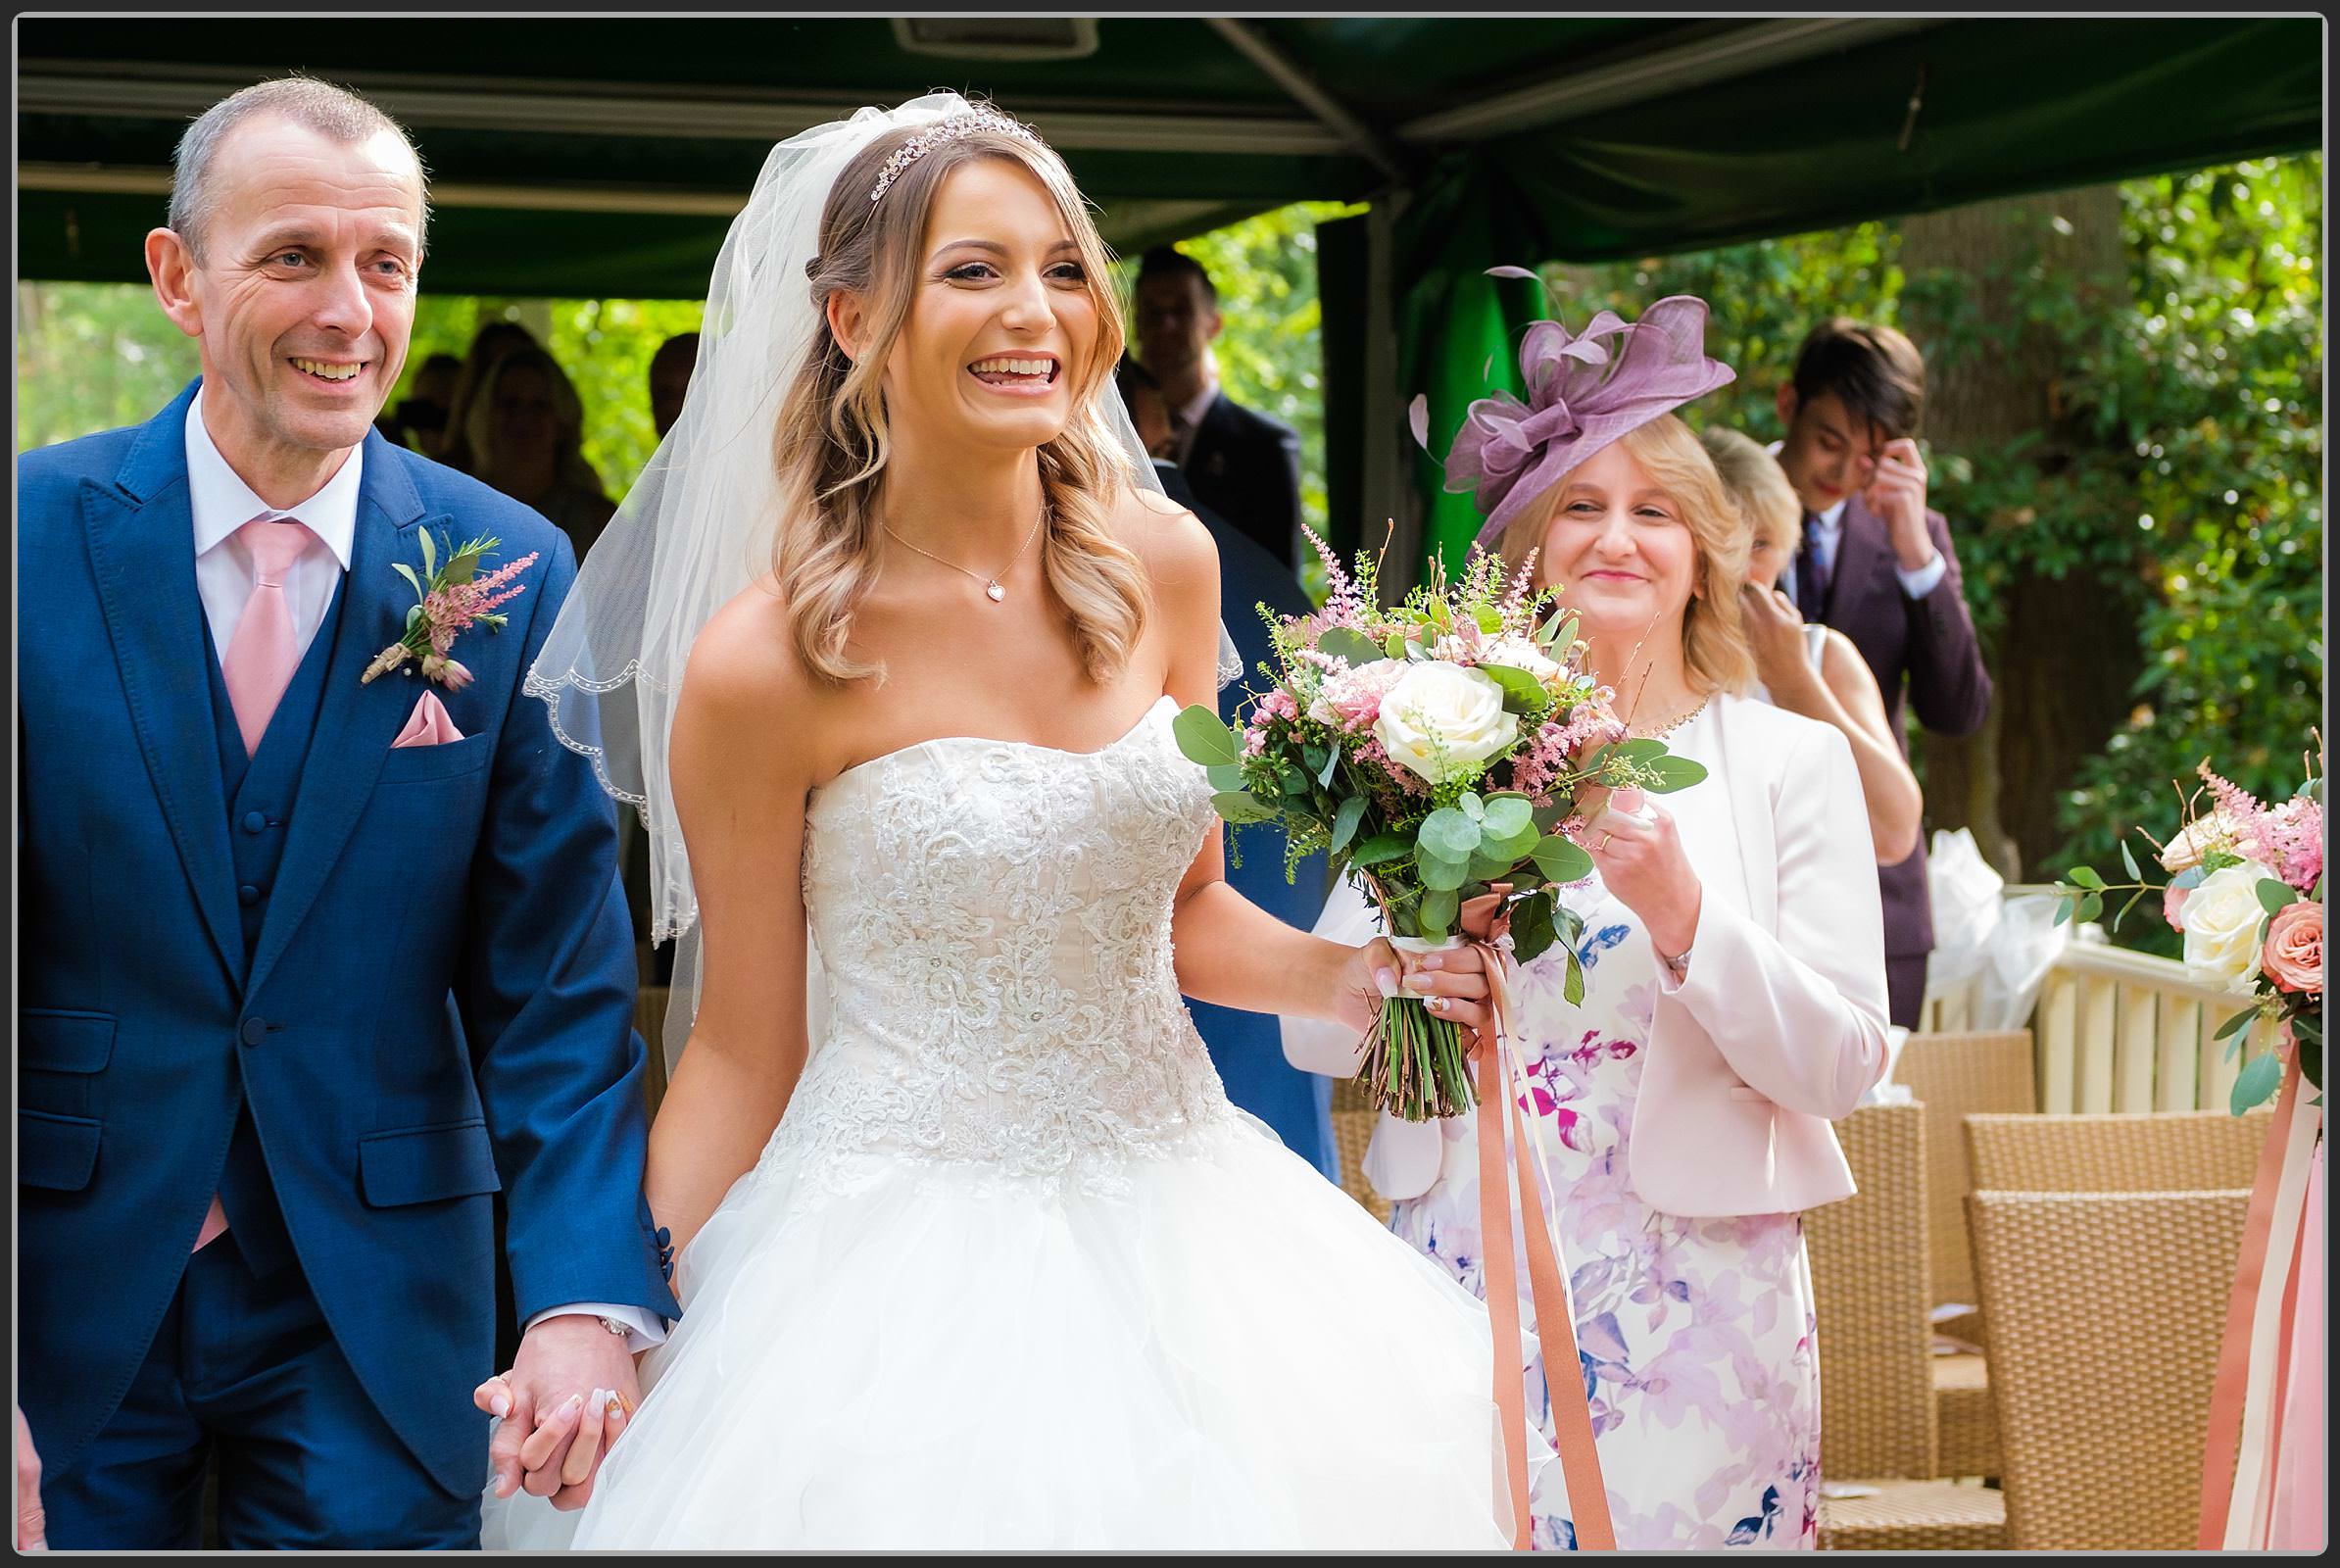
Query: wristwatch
(1679,965)
(613,1326)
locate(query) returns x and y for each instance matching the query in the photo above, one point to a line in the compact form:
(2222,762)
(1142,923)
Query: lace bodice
(993,920)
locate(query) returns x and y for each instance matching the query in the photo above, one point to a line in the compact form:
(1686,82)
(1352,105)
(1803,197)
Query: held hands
(567,1399)
(1452,984)
(1896,493)
(1634,846)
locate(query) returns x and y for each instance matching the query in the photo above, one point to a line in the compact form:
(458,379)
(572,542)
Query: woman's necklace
(990,585)
(1671,725)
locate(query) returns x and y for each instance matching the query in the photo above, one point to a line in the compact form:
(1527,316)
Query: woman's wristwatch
(1678,966)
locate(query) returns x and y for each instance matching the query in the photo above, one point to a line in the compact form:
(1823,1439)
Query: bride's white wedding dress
(1012,1271)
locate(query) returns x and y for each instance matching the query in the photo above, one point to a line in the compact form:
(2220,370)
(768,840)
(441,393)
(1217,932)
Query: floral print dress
(1696,1335)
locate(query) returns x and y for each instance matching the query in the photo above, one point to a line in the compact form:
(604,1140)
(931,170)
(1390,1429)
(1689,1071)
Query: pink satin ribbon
(2224,1437)
(1555,1324)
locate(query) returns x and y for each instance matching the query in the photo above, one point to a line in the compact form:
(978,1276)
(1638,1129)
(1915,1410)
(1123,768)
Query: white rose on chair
(1441,719)
(2221,920)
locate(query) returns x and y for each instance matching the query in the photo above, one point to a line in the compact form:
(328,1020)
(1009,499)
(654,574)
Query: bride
(973,1249)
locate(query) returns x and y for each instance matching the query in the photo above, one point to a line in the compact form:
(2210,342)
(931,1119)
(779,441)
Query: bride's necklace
(990,585)
(1671,725)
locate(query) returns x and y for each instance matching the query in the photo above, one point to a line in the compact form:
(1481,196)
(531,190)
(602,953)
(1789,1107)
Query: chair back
(2106,1311)
(1954,1077)
(1869,1286)
(2144,1151)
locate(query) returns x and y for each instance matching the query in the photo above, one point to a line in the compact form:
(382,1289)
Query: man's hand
(1897,493)
(32,1529)
(557,1404)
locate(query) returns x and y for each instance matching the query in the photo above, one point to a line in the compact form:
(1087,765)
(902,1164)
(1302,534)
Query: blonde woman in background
(1812,669)
(525,432)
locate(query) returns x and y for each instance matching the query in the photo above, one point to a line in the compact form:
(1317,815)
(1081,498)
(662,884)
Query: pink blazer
(1779,1026)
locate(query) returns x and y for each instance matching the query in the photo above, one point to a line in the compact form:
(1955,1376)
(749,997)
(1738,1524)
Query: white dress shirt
(1190,414)
(222,502)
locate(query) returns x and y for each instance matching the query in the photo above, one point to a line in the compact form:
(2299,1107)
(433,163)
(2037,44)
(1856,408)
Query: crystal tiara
(952,129)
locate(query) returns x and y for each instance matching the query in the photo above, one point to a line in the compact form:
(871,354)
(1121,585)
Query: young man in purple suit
(1878,564)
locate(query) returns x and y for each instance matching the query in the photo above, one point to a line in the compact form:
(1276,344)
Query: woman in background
(525,431)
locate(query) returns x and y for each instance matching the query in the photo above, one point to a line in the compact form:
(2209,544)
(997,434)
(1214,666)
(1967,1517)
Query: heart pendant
(995,592)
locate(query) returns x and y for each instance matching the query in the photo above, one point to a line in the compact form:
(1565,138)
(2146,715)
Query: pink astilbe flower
(2291,842)
(1346,606)
(451,611)
(1375,756)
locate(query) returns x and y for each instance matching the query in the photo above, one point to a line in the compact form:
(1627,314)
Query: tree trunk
(2066,651)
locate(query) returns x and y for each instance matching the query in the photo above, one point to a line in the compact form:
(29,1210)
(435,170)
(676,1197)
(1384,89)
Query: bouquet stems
(1414,1063)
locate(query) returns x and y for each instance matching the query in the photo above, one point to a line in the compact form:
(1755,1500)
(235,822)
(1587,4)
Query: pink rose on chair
(2294,955)
(2173,906)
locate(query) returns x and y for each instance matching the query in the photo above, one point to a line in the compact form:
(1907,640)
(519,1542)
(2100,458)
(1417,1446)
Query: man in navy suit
(311,966)
(1240,462)
(1248,1048)
(1878,564)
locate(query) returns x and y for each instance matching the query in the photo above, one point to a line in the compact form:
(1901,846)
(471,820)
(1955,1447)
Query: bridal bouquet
(2245,891)
(1432,751)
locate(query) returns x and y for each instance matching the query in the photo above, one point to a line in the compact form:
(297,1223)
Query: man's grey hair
(334,113)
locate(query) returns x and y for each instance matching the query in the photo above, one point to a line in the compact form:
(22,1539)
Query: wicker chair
(2151,1152)
(1955,1076)
(1352,1129)
(2106,1311)
(1869,1283)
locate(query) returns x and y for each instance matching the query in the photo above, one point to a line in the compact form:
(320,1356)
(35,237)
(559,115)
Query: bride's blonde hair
(831,442)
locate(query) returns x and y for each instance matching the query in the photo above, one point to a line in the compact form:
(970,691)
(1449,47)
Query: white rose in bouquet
(1441,719)
(2220,921)
(2196,839)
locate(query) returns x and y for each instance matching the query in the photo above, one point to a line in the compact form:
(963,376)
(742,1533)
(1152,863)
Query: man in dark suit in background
(1878,564)
(1240,463)
(1248,1048)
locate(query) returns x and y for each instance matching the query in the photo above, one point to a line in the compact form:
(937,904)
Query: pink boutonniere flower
(455,598)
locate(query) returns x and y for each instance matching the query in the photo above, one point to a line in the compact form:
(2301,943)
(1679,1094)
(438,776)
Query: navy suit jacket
(1923,647)
(1248,1048)
(1245,466)
(480,873)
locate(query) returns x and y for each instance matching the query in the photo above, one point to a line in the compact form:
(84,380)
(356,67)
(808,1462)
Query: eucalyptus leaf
(2236,1024)
(1472,807)
(1671,772)
(1324,774)
(2090,908)
(1572,988)
(1448,834)
(1506,816)
(2256,1084)
(1201,738)
(2128,861)
(1381,848)
(1224,776)
(2275,897)
(1560,858)
(1341,642)
(1295,781)
(1395,644)
(1442,875)
(1239,808)
(1345,822)
(2083,876)
(1437,916)
(1523,693)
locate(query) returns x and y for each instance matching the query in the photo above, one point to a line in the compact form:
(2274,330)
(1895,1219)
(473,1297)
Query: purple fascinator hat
(1585,390)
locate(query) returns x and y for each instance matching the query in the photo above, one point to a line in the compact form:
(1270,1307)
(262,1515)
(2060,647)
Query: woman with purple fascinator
(1732,951)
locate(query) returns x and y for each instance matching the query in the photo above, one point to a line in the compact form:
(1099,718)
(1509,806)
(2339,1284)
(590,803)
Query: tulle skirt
(1222,1351)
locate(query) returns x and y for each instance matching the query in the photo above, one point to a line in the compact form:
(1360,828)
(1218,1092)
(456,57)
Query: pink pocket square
(428,725)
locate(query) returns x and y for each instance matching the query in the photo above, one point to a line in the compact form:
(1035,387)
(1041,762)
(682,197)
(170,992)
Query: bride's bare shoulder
(1181,558)
(745,668)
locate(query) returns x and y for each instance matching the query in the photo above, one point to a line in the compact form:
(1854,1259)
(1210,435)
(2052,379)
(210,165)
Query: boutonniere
(457,599)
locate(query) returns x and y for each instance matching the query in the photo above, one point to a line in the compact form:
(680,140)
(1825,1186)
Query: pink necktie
(257,666)
(264,653)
